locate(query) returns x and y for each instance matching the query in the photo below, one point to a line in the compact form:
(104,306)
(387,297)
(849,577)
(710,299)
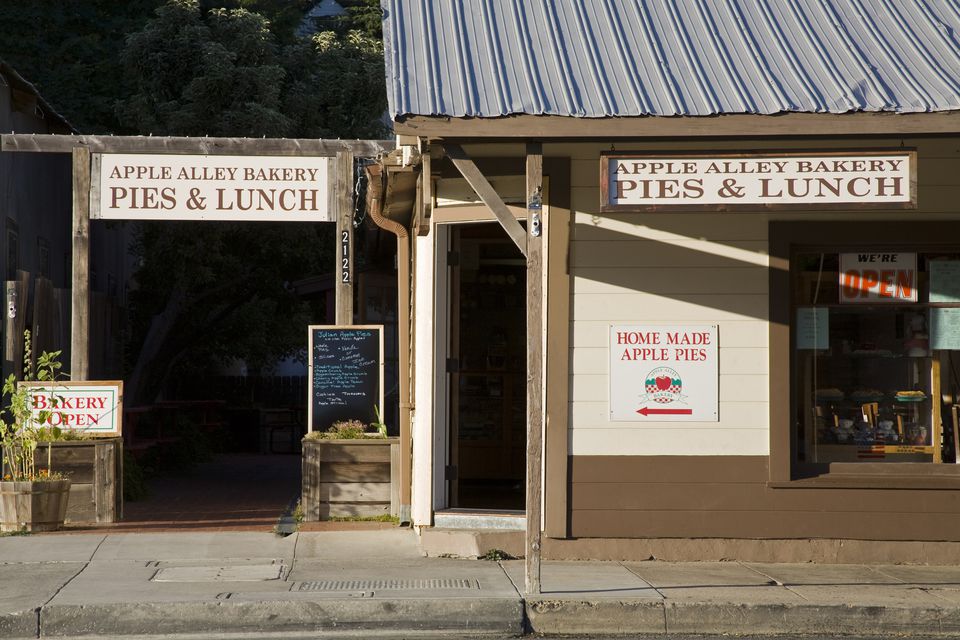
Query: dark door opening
(487,370)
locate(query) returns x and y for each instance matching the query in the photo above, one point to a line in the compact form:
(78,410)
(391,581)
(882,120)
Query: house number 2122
(345,256)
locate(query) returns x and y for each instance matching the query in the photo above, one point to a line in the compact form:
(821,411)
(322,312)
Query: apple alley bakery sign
(632,182)
(197,187)
(92,408)
(664,373)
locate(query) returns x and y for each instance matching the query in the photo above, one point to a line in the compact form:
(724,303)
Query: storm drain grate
(377,585)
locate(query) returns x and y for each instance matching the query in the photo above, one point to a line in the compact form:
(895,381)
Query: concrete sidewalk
(335,583)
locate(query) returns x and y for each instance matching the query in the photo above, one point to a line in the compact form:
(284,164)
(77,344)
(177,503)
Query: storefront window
(877,355)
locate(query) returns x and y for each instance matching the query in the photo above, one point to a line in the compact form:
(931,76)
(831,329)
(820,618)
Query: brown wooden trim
(535,356)
(730,497)
(785,238)
(787,124)
(488,194)
(29,142)
(556,172)
(80,297)
(558,227)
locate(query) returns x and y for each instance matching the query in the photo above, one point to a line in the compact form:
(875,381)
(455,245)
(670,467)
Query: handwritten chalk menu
(346,374)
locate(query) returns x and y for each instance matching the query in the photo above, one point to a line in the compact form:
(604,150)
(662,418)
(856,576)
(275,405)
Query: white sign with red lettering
(819,180)
(869,278)
(191,187)
(93,408)
(664,373)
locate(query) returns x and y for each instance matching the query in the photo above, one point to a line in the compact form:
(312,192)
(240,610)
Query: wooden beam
(201,146)
(80,305)
(535,325)
(344,252)
(488,194)
(786,124)
(424,212)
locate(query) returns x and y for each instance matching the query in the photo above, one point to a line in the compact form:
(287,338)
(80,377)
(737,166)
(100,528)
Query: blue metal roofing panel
(599,58)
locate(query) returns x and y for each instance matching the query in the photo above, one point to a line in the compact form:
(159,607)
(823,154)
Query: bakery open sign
(93,408)
(664,373)
(871,278)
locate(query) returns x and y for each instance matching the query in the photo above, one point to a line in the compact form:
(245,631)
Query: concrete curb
(474,616)
(18,624)
(611,616)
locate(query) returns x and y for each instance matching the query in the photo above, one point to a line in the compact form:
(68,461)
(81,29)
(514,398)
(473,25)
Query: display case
(871,391)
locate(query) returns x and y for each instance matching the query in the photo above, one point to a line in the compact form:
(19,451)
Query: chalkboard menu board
(346,374)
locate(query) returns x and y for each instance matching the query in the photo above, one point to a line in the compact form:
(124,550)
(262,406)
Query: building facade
(749,271)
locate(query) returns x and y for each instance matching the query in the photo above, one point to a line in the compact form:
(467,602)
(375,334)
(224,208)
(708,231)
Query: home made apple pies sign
(664,373)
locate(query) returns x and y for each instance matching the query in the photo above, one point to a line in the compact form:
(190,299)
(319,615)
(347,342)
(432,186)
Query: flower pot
(350,478)
(33,505)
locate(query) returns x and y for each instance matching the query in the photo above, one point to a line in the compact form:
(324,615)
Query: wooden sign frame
(59,387)
(606,206)
(378,328)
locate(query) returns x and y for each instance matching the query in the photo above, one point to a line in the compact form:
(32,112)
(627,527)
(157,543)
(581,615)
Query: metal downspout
(375,191)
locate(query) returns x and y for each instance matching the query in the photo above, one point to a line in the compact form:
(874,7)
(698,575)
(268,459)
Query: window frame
(786,241)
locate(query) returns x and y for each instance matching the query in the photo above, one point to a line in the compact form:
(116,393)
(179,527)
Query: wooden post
(80,307)
(344,252)
(534,364)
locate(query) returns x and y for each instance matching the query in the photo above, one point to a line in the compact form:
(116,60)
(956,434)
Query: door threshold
(500,519)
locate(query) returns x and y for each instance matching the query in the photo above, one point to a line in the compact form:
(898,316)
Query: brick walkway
(235,492)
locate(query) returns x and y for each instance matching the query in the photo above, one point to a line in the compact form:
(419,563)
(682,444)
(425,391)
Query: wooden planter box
(33,506)
(350,478)
(95,469)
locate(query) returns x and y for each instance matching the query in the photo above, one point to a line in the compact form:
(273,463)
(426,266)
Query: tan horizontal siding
(733,333)
(733,388)
(671,226)
(733,361)
(670,439)
(625,251)
(682,280)
(641,308)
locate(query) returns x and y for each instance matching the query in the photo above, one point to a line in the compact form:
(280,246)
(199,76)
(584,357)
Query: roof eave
(785,124)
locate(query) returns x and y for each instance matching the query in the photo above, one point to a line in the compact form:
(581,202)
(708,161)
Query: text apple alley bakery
(759,180)
(252,188)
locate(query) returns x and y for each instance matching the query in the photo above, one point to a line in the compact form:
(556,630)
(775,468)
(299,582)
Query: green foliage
(345,430)
(338,90)
(20,428)
(379,425)
(496,554)
(68,51)
(207,293)
(381,518)
(198,74)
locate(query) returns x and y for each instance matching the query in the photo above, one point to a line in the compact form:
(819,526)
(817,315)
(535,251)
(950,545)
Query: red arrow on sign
(664,412)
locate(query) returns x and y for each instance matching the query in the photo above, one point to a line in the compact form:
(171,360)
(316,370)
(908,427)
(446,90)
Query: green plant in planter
(20,428)
(346,430)
(379,425)
(31,498)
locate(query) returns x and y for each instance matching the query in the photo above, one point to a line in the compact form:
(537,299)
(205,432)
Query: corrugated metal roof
(597,58)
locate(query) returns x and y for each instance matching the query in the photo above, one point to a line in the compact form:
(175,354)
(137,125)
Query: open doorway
(487,370)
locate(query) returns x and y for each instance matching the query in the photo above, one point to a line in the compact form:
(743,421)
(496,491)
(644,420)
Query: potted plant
(348,471)
(32,497)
